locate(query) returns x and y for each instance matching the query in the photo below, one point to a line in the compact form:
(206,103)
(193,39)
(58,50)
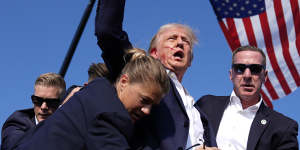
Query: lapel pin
(263,122)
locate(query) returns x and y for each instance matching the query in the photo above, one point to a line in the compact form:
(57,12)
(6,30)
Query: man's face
(138,98)
(43,111)
(247,83)
(173,49)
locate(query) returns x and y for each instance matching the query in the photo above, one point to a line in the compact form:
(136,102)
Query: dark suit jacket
(94,118)
(168,124)
(16,126)
(279,132)
(69,90)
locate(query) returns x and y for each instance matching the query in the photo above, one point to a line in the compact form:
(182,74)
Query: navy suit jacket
(94,118)
(168,124)
(279,132)
(16,126)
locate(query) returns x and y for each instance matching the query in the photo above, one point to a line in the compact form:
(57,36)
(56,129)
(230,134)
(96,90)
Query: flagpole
(76,38)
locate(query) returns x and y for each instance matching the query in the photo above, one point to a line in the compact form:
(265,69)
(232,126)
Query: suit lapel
(212,123)
(209,136)
(178,97)
(31,117)
(219,114)
(259,124)
(33,121)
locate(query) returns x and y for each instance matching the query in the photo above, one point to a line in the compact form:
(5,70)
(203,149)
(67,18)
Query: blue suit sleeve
(14,129)
(112,40)
(11,132)
(62,130)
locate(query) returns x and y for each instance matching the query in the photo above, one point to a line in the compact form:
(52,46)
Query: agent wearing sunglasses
(48,89)
(242,121)
(101,114)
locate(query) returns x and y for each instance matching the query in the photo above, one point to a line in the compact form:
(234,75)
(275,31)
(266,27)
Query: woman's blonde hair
(144,68)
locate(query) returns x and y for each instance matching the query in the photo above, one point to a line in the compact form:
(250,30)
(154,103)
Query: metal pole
(76,38)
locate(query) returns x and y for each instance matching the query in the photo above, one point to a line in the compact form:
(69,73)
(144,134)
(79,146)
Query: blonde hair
(144,68)
(52,80)
(190,33)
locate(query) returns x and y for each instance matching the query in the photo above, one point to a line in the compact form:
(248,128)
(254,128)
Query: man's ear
(230,74)
(153,53)
(266,75)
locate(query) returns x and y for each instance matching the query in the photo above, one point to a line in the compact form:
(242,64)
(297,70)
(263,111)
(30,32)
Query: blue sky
(35,36)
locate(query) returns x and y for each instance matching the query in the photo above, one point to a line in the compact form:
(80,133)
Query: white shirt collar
(178,84)
(171,74)
(36,121)
(196,130)
(234,100)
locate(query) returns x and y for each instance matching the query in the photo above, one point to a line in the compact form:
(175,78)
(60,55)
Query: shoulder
(282,129)
(25,112)
(20,120)
(98,84)
(97,97)
(278,124)
(281,119)
(98,88)
(211,99)
(21,115)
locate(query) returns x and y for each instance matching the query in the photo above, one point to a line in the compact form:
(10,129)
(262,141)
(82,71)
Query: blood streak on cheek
(170,48)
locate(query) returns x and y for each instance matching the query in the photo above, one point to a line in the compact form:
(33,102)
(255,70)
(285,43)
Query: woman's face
(138,98)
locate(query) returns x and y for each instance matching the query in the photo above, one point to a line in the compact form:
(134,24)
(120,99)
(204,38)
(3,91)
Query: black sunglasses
(254,68)
(51,102)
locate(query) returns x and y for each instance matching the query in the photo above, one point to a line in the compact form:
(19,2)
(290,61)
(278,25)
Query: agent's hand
(202,147)
(71,94)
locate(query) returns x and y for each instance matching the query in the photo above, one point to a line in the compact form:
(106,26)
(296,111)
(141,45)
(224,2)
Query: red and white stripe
(277,32)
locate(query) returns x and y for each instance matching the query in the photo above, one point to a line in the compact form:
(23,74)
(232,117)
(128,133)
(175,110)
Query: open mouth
(179,54)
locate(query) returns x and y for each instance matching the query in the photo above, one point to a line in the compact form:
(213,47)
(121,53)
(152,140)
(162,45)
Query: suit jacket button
(186,124)
(180,148)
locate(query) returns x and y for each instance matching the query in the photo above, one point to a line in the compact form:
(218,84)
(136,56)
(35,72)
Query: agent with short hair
(48,90)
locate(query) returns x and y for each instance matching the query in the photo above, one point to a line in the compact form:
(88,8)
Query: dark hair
(97,70)
(249,48)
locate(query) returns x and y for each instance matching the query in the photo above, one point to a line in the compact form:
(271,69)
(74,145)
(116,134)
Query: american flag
(272,25)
